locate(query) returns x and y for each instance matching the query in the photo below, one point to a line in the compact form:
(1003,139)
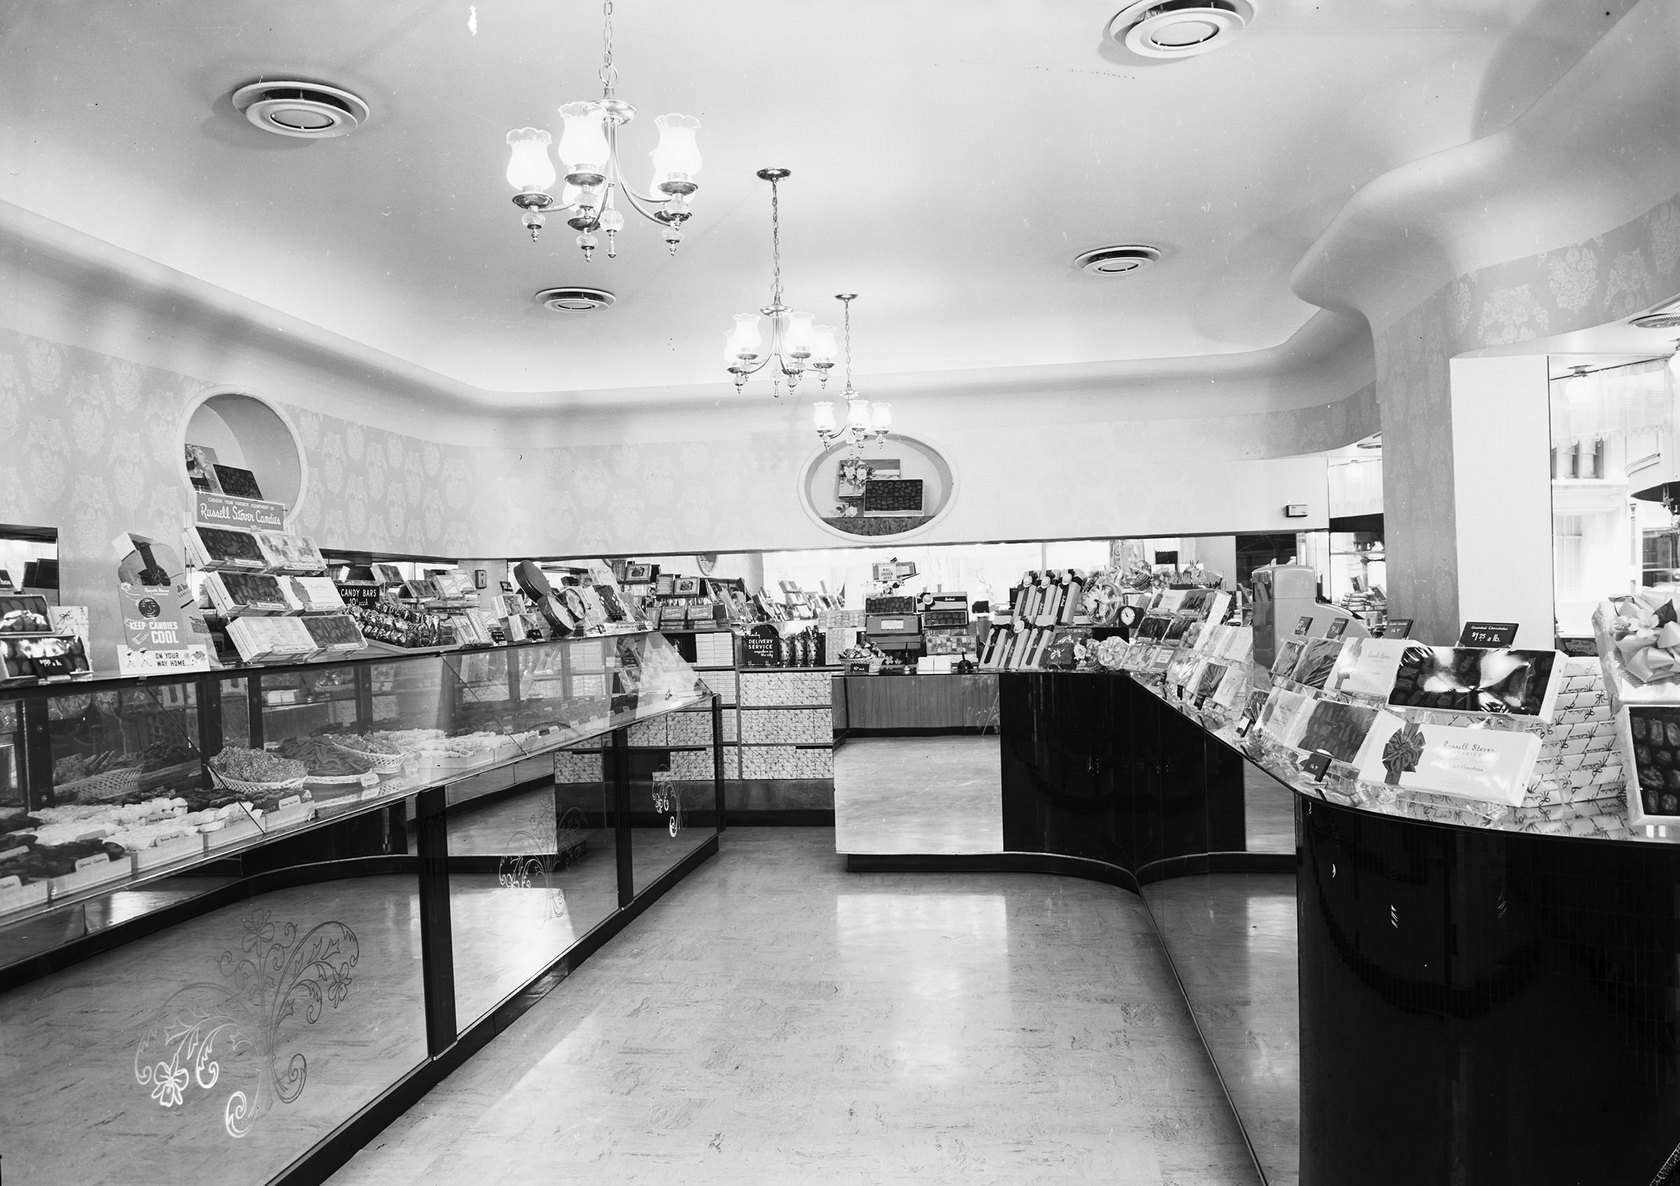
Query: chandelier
(795,343)
(588,152)
(865,421)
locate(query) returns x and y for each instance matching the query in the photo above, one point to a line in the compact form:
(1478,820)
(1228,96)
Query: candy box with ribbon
(1639,648)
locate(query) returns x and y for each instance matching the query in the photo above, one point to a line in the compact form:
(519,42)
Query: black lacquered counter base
(1484,1007)
(1478,1006)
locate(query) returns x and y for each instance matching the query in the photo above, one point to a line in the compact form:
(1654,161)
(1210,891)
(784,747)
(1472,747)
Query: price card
(1488,634)
(12,882)
(1303,625)
(1397,628)
(371,779)
(369,793)
(90,862)
(1317,765)
(289,801)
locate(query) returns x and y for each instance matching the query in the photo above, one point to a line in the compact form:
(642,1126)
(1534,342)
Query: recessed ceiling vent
(307,110)
(1116,261)
(1179,28)
(573,299)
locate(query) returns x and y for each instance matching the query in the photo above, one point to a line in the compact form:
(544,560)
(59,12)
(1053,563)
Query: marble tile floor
(775,1019)
(1232,939)
(924,795)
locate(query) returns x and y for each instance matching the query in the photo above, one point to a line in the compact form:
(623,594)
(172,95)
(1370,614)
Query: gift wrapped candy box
(1639,648)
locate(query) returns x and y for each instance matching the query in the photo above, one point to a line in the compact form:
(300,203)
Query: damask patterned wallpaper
(1611,276)
(93,443)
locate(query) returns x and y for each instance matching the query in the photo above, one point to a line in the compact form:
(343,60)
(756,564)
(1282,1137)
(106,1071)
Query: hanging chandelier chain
(775,244)
(847,305)
(608,73)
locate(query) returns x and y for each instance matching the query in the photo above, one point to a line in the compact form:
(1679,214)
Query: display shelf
(83,746)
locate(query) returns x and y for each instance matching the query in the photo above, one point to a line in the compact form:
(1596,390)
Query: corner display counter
(1479,1003)
(228,979)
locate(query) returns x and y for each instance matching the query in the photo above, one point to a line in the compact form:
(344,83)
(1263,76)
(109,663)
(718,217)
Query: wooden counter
(870,702)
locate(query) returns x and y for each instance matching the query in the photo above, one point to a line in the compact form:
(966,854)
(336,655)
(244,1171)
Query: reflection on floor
(937,794)
(1268,810)
(775,1019)
(1232,938)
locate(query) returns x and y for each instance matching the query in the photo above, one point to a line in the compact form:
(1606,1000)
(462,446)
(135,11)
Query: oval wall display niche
(240,445)
(890,490)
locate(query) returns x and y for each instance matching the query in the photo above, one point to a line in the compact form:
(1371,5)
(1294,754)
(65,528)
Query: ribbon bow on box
(1645,632)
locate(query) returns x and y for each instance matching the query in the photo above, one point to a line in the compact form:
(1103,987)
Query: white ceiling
(949,157)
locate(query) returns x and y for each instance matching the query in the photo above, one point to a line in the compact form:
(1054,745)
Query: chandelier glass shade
(795,344)
(865,421)
(592,170)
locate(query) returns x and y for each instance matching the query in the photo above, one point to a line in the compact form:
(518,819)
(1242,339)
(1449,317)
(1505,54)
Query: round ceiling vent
(307,110)
(573,299)
(1179,28)
(1666,320)
(1115,261)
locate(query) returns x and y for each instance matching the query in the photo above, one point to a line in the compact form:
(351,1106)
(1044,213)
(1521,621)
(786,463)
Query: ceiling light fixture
(588,152)
(865,421)
(1179,28)
(795,343)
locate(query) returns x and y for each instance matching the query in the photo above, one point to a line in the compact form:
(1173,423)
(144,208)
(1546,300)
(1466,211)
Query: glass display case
(238,908)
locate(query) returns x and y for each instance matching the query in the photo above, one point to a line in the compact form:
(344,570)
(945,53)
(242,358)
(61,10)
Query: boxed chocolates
(214,548)
(235,593)
(261,639)
(292,554)
(334,633)
(314,594)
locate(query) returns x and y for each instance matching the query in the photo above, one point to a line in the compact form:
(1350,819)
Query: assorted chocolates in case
(1476,680)
(315,594)
(260,639)
(290,554)
(1651,740)
(50,657)
(213,548)
(334,633)
(236,593)
(24,613)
